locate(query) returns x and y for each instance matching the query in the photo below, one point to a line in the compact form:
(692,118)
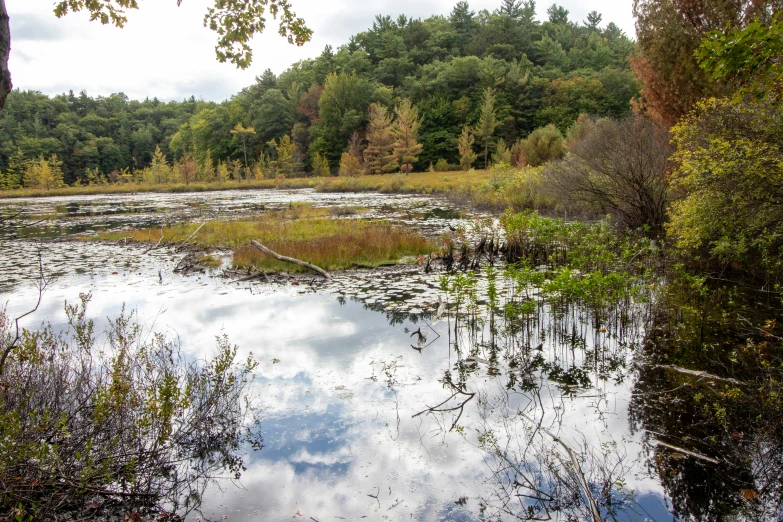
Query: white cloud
(165,52)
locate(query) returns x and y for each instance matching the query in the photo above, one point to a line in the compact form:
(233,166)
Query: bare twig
(260,275)
(460,407)
(156,245)
(179,248)
(577,468)
(17,338)
(687,452)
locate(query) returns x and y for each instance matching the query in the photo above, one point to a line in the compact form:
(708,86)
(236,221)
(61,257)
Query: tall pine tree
(487,123)
(12,177)
(465,145)
(405,131)
(380,142)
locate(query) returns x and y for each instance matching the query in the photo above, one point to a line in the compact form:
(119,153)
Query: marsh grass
(300,231)
(210,261)
(494,189)
(131,188)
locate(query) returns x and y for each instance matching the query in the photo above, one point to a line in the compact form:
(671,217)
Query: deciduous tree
(543,145)
(241,132)
(285,160)
(465,145)
(380,142)
(12,177)
(159,171)
(669,32)
(350,165)
(45,174)
(188,169)
(405,132)
(620,168)
(320,165)
(730,167)
(234,21)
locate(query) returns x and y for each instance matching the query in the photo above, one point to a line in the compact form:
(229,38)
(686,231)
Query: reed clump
(301,231)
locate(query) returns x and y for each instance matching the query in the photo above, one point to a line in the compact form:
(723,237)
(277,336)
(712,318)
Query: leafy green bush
(543,145)
(132,419)
(442,166)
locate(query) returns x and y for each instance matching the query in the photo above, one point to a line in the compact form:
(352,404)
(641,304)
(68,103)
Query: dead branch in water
(686,451)
(156,245)
(260,275)
(701,374)
(287,259)
(191,237)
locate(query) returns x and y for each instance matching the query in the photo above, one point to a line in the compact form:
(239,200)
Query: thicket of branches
(619,167)
(130,426)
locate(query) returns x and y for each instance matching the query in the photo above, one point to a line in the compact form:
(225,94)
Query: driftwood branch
(260,275)
(697,373)
(156,245)
(687,452)
(191,236)
(286,259)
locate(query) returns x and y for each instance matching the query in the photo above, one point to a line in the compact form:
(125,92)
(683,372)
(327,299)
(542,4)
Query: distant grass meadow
(302,232)
(495,189)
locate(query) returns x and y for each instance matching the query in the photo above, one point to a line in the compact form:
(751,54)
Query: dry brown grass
(373,244)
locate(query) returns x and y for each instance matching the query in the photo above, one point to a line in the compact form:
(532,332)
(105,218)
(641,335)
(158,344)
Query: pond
(372,407)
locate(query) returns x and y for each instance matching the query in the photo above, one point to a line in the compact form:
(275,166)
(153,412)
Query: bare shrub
(618,168)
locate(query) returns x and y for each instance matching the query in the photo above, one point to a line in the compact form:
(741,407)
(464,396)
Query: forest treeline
(539,72)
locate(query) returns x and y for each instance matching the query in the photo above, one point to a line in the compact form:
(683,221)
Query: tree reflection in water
(700,369)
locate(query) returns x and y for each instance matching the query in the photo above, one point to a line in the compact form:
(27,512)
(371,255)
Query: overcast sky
(165,51)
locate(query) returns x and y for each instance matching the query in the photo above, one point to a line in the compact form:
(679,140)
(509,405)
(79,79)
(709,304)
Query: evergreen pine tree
(487,123)
(512,8)
(12,177)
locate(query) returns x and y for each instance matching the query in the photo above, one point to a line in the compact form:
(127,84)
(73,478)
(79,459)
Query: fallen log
(287,259)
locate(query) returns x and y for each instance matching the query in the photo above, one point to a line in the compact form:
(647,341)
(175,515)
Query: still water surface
(340,378)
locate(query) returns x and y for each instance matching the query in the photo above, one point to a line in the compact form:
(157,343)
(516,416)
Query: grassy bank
(302,232)
(495,189)
(132,188)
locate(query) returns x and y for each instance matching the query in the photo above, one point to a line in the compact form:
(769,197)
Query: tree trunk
(5,51)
